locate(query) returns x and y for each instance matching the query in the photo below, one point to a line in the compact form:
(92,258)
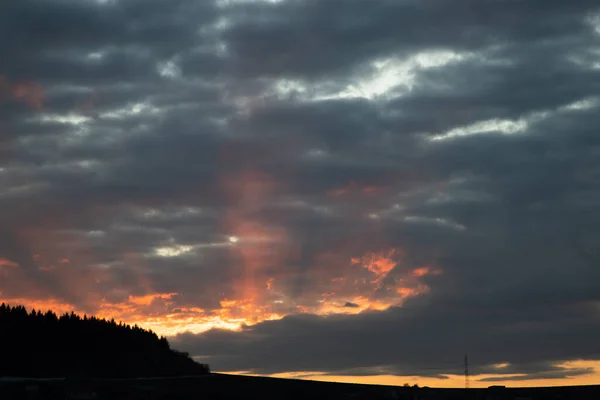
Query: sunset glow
(303,189)
(160,312)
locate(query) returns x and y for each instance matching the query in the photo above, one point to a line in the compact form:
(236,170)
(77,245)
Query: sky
(343,190)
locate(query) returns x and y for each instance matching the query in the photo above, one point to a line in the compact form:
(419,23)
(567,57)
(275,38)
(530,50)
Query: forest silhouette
(37,344)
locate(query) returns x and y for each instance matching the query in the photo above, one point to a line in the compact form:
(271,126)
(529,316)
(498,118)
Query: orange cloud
(246,312)
(163,319)
(262,250)
(7,263)
(255,297)
(57,306)
(159,312)
(410,292)
(423,271)
(405,284)
(379,263)
(149,298)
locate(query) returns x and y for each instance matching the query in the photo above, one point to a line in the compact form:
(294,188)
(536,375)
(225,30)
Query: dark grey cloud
(407,341)
(319,38)
(236,150)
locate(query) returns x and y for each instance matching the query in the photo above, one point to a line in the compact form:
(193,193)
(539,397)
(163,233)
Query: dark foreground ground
(217,386)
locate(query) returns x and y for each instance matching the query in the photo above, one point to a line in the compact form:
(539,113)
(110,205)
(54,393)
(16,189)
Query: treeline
(37,344)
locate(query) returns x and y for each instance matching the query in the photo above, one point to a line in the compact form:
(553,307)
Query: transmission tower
(466,372)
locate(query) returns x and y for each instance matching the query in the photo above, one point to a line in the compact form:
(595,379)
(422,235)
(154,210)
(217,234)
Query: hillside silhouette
(37,344)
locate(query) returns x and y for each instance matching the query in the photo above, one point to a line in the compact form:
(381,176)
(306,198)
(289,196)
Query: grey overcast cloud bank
(140,140)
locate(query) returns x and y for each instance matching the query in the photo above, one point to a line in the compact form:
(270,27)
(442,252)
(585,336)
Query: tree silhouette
(45,345)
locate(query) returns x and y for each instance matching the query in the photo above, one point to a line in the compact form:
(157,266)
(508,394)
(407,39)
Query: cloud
(550,372)
(7,263)
(306,176)
(404,341)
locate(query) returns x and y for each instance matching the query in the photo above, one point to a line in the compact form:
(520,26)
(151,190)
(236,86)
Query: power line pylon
(467,383)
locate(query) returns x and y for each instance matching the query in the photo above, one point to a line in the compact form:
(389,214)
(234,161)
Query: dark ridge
(40,344)
(220,386)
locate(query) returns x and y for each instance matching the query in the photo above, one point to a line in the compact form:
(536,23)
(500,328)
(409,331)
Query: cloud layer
(351,189)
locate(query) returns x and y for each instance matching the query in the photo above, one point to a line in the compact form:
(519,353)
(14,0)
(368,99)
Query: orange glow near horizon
(453,381)
(160,313)
(450,381)
(261,247)
(260,299)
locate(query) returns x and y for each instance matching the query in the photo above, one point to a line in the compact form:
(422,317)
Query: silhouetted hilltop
(40,344)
